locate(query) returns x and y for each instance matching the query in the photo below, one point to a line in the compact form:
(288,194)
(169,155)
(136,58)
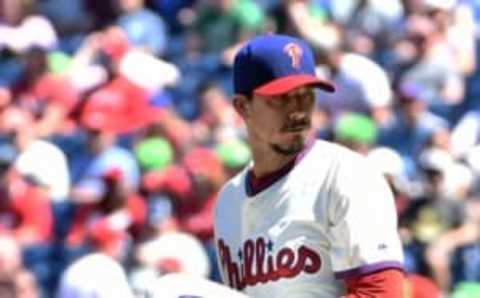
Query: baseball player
(307,218)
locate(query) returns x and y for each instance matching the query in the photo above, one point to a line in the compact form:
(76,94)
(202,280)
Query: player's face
(282,122)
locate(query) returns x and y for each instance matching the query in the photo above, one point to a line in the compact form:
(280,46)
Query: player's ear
(241,103)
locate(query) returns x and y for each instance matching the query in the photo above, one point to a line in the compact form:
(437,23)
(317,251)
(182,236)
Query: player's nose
(301,104)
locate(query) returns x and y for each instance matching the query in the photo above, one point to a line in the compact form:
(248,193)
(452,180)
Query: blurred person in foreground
(185,285)
(24,185)
(15,281)
(48,96)
(355,131)
(184,195)
(217,120)
(443,59)
(220,26)
(103,118)
(419,286)
(107,178)
(411,128)
(295,222)
(99,273)
(108,54)
(191,187)
(36,157)
(21,28)
(235,155)
(106,207)
(169,252)
(363,86)
(145,28)
(206,174)
(307,19)
(453,256)
(434,211)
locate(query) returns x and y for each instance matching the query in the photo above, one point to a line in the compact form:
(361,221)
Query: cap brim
(289,83)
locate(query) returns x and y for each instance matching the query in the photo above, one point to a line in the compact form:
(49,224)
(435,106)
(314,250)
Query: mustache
(297,126)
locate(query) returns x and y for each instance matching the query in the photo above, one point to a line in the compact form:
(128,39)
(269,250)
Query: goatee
(295,147)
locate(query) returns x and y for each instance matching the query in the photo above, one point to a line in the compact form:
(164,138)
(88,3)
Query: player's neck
(267,161)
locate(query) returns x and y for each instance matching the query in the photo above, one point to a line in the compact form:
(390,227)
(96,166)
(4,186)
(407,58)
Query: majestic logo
(295,52)
(259,266)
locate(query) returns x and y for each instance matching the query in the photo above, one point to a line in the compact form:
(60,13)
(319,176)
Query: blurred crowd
(116,132)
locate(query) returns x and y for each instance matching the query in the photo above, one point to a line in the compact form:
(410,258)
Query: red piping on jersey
(254,185)
(368,269)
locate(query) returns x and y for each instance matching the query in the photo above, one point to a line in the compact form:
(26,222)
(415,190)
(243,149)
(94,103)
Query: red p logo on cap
(295,52)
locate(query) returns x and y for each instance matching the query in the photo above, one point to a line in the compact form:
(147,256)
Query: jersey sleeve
(219,260)
(217,222)
(362,221)
(387,283)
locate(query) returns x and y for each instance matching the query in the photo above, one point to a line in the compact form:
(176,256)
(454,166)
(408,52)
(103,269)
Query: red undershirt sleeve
(387,283)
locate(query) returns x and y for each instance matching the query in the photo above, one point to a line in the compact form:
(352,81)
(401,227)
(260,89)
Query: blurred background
(116,132)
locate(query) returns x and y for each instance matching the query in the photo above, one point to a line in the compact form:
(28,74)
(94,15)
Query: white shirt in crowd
(178,285)
(95,276)
(48,164)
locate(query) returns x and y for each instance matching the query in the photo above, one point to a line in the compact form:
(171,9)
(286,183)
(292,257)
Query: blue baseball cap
(273,64)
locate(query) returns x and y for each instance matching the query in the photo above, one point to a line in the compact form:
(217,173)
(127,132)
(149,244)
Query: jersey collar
(254,185)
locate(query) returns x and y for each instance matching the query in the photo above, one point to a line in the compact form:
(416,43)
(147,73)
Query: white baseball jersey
(325,217)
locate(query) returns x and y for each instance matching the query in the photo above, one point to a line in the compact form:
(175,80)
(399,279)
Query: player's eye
(277,103)
(309,98)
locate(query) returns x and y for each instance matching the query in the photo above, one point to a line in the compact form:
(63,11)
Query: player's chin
(292,146)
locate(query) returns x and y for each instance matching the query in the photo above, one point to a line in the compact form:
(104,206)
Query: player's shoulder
(335,152)
(336,159)
(348,167)
(229,201)
(236,183)
(232,189)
